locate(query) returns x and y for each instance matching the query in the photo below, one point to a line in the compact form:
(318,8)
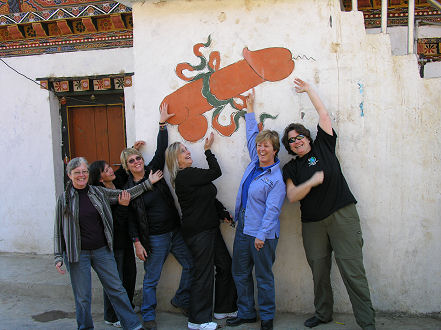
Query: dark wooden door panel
(96,132)
(101,134)
(115,128)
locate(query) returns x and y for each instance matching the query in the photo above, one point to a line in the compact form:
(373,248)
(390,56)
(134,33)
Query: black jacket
(197,196)
(138,220)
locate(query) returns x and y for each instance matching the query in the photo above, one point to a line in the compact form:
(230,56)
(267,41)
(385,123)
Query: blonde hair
(268,135)
(125,154)
(171,159)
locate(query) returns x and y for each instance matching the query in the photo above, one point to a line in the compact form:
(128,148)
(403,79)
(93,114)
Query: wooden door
(97,132)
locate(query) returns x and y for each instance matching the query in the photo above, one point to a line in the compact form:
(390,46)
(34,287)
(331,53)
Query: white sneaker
(221,316)
(116,324)
(204,326)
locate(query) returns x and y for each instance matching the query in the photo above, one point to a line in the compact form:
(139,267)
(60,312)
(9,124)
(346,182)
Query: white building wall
(30,136)
(398,40)
(386,117)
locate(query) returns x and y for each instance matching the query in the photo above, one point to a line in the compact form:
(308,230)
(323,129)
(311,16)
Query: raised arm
(251,123)
(158,160)
(192,176)
(324,119)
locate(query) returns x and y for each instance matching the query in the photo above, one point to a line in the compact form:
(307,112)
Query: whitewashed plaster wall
(398,41)
(32,173)
(386,117)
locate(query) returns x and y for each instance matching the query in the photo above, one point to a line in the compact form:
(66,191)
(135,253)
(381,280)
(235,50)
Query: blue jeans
(245,256)
(161,245)
(103,263)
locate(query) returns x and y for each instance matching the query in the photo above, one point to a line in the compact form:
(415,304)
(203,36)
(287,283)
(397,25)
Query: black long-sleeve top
(197,197)
(155,212)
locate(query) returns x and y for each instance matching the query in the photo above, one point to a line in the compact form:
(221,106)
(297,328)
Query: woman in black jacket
(201,213)
(154,226)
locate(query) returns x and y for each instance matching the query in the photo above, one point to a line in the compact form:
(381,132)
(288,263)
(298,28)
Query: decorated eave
(64,86)
(92,25)
(428,49)
(397,12)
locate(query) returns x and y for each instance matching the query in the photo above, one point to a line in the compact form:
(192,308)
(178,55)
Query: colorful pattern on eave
(397,12)
(429,49)
(101,25)
(40,5)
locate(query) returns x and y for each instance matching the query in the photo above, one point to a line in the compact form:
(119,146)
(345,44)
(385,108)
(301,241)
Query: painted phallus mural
(218,87)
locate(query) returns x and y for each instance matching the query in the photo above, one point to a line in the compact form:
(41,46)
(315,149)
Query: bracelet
(163,123)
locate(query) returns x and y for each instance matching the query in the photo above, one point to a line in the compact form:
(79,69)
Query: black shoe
(150,325)
(314,321)
(234,322)
(184,310)
(266,325)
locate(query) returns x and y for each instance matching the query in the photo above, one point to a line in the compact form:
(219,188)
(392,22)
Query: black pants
(208,249)
(126,264)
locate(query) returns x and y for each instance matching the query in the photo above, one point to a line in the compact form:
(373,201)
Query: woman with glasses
(83,237)
(329,218)
(154,226)
(258,205)
(201,216)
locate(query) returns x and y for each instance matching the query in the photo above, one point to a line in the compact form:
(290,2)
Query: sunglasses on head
(132,160)
(295,138)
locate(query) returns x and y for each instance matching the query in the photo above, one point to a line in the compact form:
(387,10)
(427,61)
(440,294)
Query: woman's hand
(163,113)
(155,177)
(301,86)
(141,253)
(258,244)
(317,178)
(58,267)
(228,219)
(250,101)
(209,141)
(124,198)
(138,144)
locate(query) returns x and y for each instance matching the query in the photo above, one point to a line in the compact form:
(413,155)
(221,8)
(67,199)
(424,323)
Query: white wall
(32,172)
(398,40)
(390,154)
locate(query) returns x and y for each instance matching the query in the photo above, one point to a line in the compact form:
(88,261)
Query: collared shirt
(257,170)
(266,192)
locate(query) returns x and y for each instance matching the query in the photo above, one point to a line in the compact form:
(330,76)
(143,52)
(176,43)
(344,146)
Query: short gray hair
(74,163)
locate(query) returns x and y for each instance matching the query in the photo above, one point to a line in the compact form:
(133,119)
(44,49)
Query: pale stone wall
(30,135)
(398,41)
(386,117)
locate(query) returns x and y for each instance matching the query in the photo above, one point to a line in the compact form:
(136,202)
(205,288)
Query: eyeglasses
(76,173)
(132,160)
(295,138)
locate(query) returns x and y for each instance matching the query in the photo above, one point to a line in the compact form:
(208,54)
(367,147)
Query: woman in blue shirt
(258,203)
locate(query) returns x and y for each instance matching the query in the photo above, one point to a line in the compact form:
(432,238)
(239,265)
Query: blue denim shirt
(265,195)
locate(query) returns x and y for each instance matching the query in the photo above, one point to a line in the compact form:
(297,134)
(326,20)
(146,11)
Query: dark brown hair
(299,128)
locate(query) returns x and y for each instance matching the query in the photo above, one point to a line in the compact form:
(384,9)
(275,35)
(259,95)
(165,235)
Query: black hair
(95,170)
(299,128)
